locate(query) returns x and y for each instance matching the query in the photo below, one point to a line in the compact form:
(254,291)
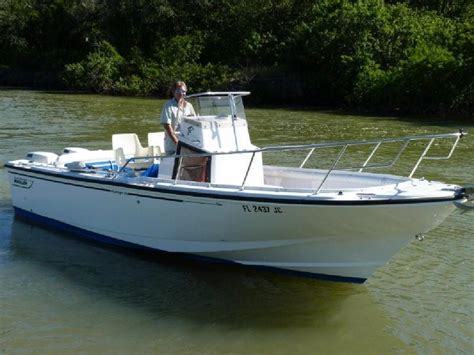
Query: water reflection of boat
(176,287)
(216,198)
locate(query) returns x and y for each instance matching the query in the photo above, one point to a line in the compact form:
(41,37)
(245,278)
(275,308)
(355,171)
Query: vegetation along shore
(409,56)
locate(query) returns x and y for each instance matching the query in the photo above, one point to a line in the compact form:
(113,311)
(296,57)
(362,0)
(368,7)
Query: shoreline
(346,111)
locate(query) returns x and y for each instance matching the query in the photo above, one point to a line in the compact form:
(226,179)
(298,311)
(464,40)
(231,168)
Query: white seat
(126,146)
(157,139)
(130,144)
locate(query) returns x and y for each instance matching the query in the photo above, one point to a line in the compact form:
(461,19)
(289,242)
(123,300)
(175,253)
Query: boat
(218,198)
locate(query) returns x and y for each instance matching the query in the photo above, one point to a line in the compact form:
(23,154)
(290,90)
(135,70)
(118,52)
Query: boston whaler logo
(20,182)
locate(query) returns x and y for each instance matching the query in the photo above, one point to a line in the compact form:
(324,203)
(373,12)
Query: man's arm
(170,131)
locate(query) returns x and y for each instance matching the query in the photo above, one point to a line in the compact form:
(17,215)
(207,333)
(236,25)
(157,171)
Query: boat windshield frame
(220,103)
(220,93)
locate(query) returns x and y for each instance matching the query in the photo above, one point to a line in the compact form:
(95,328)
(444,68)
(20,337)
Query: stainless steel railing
(343,149)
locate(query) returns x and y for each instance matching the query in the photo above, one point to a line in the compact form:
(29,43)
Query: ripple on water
(429,286)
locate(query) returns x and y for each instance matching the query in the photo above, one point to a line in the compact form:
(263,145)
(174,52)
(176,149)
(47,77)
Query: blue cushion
(152,171)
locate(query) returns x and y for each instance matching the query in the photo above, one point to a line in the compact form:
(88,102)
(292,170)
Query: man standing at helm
(174,110)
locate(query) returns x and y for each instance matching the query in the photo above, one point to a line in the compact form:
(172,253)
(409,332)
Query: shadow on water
(229,294)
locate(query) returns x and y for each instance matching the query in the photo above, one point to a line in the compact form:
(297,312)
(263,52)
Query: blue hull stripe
(116,242)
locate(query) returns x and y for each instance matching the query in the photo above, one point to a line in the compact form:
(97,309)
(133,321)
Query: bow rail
(430,139)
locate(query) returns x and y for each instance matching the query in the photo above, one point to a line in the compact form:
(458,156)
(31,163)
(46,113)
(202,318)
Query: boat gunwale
(233,194)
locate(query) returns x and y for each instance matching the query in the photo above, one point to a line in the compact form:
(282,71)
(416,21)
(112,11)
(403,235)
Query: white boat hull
(348,239)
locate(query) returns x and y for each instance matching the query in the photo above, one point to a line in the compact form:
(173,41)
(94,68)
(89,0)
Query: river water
(62,295)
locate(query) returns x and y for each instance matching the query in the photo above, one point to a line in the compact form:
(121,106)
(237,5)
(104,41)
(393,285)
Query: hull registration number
(261,209)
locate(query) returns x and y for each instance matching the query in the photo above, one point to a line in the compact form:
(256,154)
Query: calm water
(61,295)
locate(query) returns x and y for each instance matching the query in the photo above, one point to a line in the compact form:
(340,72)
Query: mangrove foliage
(406,55)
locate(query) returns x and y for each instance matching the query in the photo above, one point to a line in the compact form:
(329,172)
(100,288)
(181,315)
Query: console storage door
(191,168)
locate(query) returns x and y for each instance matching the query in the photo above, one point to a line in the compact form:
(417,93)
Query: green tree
(379,54)
(98,72)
